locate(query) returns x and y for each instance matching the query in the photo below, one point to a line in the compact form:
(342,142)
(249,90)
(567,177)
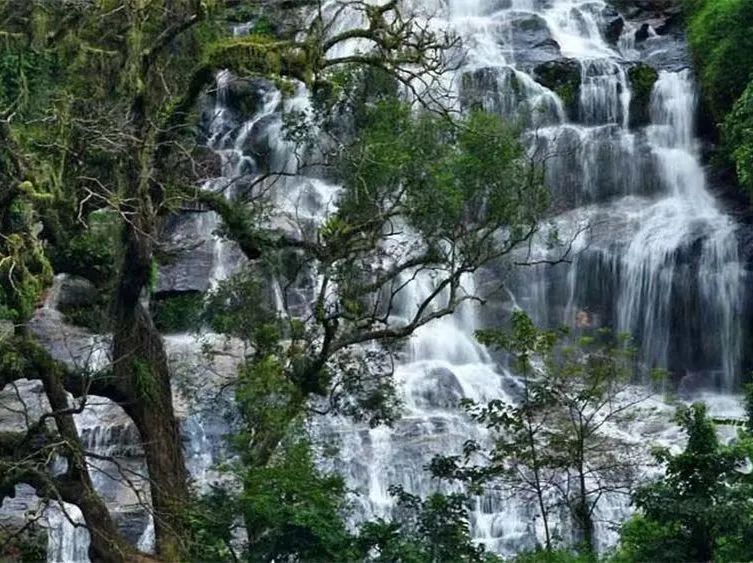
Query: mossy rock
(642,80)
(563,77)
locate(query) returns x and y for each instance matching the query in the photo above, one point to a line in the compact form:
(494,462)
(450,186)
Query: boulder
(666,52)
(439,388)
(190,253)
(532,41)
(479,88)
(259,144)
(74,292)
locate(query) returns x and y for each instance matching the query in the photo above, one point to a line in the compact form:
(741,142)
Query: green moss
(720,34)
(179,312)
(144,379)
(642,80)
(564,79)
(24,273)
(260,54)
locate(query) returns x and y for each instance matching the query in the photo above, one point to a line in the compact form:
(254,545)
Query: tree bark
(141,364)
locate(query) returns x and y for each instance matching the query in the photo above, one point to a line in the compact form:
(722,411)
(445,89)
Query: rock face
(193,257)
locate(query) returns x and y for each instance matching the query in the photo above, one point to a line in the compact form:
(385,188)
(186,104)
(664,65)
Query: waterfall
(653,253)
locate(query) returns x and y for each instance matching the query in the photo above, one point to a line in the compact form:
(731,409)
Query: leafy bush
(721,38)
(700,510)
(738,133)
(91,253)
(179,312)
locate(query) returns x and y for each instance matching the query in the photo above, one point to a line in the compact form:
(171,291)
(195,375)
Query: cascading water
(652,253)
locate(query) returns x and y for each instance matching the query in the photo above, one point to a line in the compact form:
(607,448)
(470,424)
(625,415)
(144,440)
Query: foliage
(241,307)
(180,312)
(738,134)
(91,252)
(24,268)
(552,446)
(700,509)
(432,530)
(28,545)
(26,78)
(552,556)
(290,511)
(454,180)
(720,36)
(91,316)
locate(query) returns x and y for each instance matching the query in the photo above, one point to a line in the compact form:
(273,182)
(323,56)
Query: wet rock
(613,29)
(643,33)
(532,41)
(655,5)
(245,95)
(192,253)
(258,143)
(642,79)
(563,77)
(478,88)
(644,8)
(666,52)
(132,523)
(497,6)
(73,292)
(66,343)
(439,388)
(189,256)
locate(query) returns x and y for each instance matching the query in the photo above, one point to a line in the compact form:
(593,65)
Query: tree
(700,509)
(289,510)
(422,198)
(425,531)
(554,445)
(99,113)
